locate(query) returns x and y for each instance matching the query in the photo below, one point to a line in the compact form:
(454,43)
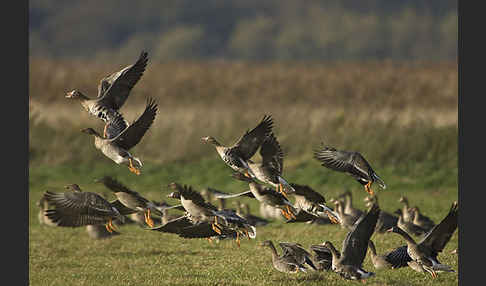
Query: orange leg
(104,130)
(332,218)
(238,238)
(290,212)
(132,168)
(368,188)
(148,220)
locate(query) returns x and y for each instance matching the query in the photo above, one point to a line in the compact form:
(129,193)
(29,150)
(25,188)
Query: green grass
(67,256)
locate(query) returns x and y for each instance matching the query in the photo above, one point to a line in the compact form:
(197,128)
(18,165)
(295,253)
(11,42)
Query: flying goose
(113,91)
(237,155)
(423,255)
(349,262)
(352,163)
(267,196)
(269,171)
(77,208)
(196,206)
(293,257)
(313,202)
(131,199)
(116,148)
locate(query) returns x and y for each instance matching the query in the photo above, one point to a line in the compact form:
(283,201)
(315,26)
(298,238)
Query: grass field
(402,117)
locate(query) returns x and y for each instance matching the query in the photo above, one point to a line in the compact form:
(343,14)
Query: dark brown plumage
(349,262)
(77,208)
(350,162)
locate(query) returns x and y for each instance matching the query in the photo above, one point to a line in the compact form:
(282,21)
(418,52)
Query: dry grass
(343,104)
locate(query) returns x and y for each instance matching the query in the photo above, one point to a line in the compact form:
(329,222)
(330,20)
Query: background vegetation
(250,30)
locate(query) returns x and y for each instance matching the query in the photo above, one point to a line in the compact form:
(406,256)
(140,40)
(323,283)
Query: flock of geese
(202,219)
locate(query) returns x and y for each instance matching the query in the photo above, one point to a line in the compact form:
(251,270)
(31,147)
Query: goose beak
(69,94)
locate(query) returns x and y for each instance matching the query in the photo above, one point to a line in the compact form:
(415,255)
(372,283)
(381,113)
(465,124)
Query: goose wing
(436,239)
(355,244)
(247,145)
(130,136)
(114,89)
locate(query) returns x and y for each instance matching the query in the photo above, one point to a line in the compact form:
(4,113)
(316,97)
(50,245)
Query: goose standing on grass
(113,91)
(293,259)
(322,257)
(379,261)
(352,163)
(422,220)
(118,146)
(422,256)
(349,263)
(237,155)
(408,226)
(407,213)
(349,209)
(77,208)
(269,171)
(131,199)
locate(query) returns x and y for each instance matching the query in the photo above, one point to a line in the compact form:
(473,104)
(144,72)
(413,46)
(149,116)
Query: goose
(196,206)
(116,148)
(312,201)
(269,171)
(385,220)
(252,219)
(348,263)
(349,209)
(293,258)
(237,155)
(113,91)
(345,220)
(379,261)
(407,213)
(422,256)
(408,226)
(131,199)
(267,196)
(422,220)
(322,257)
(78,208)
(352,163)
(43,206)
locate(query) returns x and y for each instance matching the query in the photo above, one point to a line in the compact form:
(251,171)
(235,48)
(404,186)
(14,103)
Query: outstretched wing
(355,244)
(308,193)
(272,154)
(439,235)
(134,133)
(77,208)
(334,159)
(223,195)
(114,89)
(248,144)
(173,226)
